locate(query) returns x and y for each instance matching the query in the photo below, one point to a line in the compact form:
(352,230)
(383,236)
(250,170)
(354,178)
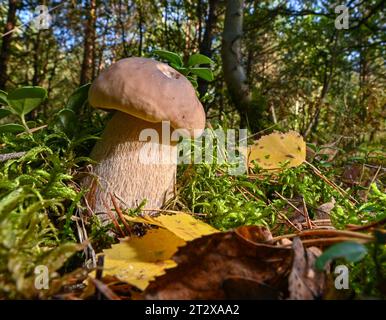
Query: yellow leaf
(139,260)
(272,150)
(183,225)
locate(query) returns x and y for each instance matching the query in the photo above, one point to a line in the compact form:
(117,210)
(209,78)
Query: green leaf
(169,56)
(181,70)
(66,121)
(11,128)
(4,113)
(197,59)
(10,201)
(193,82)
(3,98)
(203,73)
(24,100)
(78,98)
(351,251)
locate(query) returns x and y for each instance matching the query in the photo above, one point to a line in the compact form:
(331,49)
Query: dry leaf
(271,151)
(139,259)
(255,234)
(304,282)
(212,267)
(324,210)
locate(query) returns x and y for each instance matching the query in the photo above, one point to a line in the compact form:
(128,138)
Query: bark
(6,42)
(140,29)
(234,72)
(206,43)
(122,27)
(89,44)
(36,62)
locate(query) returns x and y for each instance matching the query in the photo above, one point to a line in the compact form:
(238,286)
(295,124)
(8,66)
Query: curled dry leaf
(324,210)
(305,282)
(225,265)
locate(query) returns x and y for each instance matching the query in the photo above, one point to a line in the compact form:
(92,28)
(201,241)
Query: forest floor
(279,234)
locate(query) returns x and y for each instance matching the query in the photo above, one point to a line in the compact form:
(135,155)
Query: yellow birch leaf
(183,225)
(272,150)
(138,260)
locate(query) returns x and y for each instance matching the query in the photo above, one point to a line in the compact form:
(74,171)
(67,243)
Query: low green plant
(191,69)
(38,194)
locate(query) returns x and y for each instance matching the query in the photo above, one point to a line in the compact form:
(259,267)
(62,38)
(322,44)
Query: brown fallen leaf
(249,289)
(304,282)
(324,210)
(212,266)
(255,234)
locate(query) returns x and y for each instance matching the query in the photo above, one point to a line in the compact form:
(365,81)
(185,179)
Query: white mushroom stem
(122,171)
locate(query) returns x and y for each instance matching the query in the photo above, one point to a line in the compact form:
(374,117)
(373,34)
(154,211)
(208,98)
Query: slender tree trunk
(36,62)
(234,72)
(140,28)
(122,29)
(165,25)
(6,42)
(89,44)
(206,43)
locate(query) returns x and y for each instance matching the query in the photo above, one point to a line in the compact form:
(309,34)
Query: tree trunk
(234,72)
(140,28)
(206,43)
(36,62)
(89,44)
(6,43)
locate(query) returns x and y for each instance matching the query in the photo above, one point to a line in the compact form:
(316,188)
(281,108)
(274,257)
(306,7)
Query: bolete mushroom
(145,93)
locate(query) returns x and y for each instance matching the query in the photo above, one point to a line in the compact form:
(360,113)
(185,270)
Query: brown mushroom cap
(150,90)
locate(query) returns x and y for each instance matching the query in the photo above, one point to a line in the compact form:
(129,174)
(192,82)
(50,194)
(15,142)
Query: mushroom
(145,93)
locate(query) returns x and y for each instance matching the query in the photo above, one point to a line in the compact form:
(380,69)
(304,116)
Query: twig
(294,207)
(242,192)
(174,211)
(32,130)
(120,214)
(105,290)
(111,215)
(251,194)
(328,241)
(13,155)
(324,232)
(308,220)
(369,225)
(341,191)
(285,218)
(372,181)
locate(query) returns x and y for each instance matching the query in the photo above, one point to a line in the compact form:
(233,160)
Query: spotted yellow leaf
(273,150)
(181,224)
(138,260)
